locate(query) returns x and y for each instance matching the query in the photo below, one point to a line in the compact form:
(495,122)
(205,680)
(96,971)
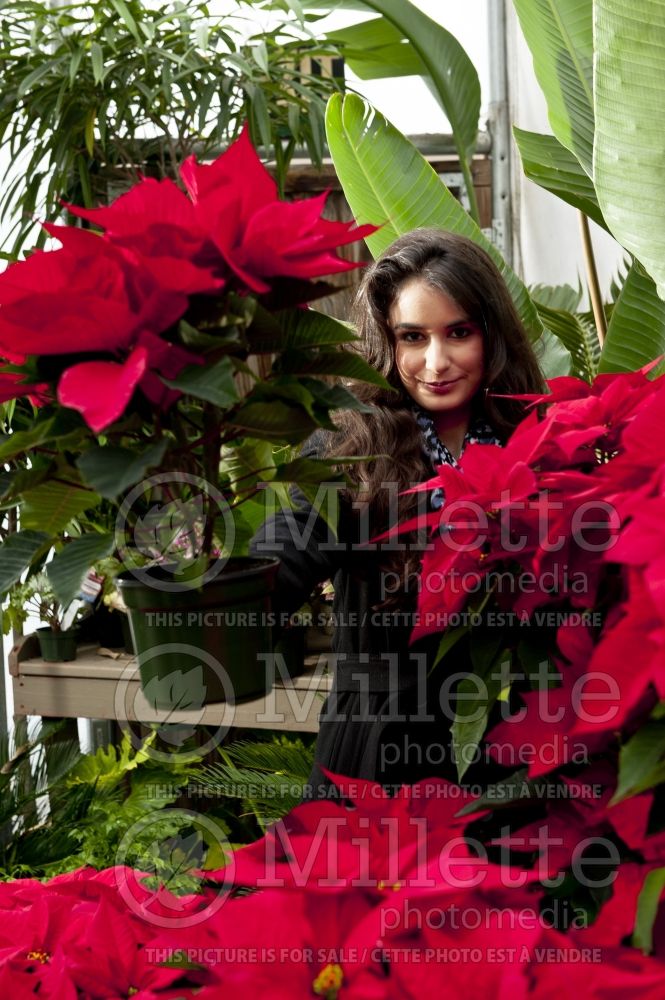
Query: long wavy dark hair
(459,268)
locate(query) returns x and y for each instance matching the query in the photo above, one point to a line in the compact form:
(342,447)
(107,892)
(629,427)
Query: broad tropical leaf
(629,146)
(636,331)
(559,34)
(376,49)
(454,76)
(447,69)
(552,354)
(553,167)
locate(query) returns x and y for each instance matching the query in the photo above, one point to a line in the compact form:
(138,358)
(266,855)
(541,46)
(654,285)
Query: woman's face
(438,352)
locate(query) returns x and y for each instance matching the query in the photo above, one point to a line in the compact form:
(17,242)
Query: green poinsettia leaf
(18,552)
(294,328)
(68,568)
(51,506)
(641,761)
(110,471)
(213,383)
(331,363)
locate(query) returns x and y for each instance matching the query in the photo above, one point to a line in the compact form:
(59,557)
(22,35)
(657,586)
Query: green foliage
(405,41)
(33,773)
(269,776)
(19,551)
(577,332)
(647,909)
(61,809)
(629,145)
(94,92)
(35,596)
(553,167)
(560,36)
(127,785)
(606,154)
(636,331)
(557,296)
(642,761)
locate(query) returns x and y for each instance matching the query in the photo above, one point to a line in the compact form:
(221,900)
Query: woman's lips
(439,387)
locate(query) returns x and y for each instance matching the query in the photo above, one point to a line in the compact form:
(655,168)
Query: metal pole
(500,130)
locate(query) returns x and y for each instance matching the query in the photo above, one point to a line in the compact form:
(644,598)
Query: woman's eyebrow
(423,326)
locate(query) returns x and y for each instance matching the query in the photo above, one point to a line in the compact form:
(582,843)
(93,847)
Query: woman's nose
(436,356)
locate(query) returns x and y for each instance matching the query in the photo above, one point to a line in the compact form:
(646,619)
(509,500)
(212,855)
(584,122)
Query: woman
(434,316)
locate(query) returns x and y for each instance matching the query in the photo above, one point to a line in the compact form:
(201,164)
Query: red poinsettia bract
(106,302)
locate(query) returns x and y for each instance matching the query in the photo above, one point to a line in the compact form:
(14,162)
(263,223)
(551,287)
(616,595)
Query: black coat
(384,719)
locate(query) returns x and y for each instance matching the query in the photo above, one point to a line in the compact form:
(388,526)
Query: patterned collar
(436,452)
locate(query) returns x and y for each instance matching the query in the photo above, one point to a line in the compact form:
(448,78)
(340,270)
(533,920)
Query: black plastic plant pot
(197,645)
(57,647)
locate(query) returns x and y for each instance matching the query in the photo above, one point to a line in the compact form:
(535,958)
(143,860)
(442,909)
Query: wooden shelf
(95,686)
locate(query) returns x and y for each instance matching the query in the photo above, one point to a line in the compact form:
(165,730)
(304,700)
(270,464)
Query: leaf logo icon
(173,528)
(186,690)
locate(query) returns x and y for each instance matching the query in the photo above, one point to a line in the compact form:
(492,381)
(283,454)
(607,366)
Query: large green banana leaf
(559,34)
(375,50)
(450,74)
(446,63)
(629,152)
(636,332)
(553,167)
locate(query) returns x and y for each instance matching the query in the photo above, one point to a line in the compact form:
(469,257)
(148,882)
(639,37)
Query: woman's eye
(459,332)
(410,336)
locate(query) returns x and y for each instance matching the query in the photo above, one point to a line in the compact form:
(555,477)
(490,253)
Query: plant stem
(211,450)
(592,279)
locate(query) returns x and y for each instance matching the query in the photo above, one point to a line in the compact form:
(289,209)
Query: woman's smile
(438,386)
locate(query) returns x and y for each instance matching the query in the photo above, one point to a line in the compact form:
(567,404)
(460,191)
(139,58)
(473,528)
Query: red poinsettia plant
(554,545)
(377,895)
(546,570)
(167,326)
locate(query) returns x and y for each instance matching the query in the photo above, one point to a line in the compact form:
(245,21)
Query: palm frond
(269,777)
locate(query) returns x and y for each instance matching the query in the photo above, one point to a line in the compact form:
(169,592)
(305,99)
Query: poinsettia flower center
(38,955)
(395,886)
(328,983)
